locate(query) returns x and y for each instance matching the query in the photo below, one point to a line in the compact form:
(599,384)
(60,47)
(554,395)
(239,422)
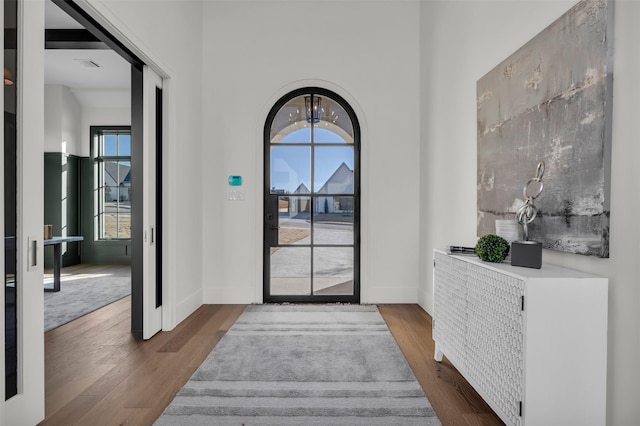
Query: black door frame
(268,234)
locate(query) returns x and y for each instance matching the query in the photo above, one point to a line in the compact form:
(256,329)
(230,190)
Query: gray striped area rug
(303,365)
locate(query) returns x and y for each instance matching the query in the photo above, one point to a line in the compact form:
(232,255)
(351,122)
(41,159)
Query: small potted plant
(492,248)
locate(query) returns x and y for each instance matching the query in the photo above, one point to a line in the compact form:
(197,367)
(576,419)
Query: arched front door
(312,199)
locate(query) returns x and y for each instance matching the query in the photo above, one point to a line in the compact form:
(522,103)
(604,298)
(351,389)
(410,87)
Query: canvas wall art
(551,101)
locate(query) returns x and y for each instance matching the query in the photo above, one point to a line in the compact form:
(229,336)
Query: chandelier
(312,108)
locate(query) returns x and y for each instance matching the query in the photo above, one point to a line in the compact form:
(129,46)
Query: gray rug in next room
(82,294)
(303,365)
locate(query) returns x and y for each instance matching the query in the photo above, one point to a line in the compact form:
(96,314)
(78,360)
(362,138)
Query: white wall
(169,32)
(62,132)
(67,122)
(255,52)
(460,42)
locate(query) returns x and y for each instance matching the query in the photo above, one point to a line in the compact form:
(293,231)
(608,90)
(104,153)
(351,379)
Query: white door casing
(152,315)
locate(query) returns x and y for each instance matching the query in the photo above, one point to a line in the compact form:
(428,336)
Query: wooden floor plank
(199,320)
(72,411)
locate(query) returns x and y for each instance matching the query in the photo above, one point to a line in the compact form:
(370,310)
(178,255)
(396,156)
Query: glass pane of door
(290,169)
(333,221)
(290,271)
(334,125)
(333,169)
(294,224)
(11,278)
(333,271)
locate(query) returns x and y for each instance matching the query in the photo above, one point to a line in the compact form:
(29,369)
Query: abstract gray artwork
(551,101)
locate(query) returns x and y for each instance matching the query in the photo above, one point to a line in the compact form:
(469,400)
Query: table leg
(57,262)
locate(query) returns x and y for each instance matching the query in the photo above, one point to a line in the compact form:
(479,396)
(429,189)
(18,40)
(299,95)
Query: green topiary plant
(492,248)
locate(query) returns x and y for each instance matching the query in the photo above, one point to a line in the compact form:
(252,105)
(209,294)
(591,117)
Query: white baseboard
(390,295)
(228,295)
(186,307)
(425,300)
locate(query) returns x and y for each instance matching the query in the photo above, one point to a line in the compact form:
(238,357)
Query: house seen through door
(312,199)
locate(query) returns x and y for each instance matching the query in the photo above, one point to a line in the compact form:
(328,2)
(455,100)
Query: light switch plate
(235,195)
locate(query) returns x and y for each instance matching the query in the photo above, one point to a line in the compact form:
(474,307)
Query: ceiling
(106,85)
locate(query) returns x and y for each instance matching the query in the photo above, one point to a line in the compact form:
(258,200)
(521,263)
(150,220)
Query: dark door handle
(271,220)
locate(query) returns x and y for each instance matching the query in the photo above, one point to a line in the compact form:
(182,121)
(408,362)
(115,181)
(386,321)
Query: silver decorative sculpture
(528,211)
(528,253)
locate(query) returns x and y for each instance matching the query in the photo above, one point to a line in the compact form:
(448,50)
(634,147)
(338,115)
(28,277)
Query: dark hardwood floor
(97,373)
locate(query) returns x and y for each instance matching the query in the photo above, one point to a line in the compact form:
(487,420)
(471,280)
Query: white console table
(532,342)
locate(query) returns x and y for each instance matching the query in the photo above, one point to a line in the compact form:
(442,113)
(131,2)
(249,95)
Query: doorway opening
(87,168)
(135,239)
(312,199)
